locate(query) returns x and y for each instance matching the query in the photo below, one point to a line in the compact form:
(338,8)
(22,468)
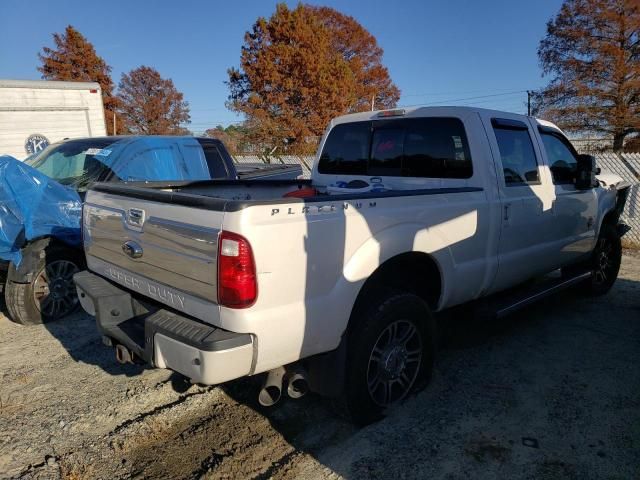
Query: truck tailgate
(167,252)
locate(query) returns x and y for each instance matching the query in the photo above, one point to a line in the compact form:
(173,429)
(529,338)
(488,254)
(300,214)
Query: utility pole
(529,92)
(114,123)
(373,102)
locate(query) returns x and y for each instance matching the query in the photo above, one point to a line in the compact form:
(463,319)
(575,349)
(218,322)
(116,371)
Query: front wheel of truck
(390,355)
(48,292)
(605,261)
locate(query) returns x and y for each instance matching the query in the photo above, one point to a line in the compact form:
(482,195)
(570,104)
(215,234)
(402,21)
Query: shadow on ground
(549,392)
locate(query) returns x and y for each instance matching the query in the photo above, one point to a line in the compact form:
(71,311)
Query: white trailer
(35,113)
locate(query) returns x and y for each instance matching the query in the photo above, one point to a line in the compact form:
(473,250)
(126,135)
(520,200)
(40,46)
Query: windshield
(76,163)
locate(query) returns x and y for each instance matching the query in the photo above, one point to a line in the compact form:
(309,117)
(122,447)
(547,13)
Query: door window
(518,158)
(161,163)
(562,160)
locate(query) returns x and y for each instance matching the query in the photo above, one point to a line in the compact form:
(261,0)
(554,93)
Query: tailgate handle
(132,249)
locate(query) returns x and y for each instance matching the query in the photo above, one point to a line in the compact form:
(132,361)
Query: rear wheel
(51,293)
(390,355)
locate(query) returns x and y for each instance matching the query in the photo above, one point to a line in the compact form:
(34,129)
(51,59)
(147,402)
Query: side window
(436,148)
(215,162)
(159,163)
(562,160)
(346,150)
(195,161)
(516,152)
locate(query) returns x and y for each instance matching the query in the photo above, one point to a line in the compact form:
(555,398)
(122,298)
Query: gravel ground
(554,392)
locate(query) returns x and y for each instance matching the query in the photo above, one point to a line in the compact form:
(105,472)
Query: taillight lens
(237,282)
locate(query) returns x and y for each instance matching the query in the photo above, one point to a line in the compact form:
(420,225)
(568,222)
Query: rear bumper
(163,338)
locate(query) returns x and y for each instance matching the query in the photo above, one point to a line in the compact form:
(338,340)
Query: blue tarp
(34,205)
(31,206)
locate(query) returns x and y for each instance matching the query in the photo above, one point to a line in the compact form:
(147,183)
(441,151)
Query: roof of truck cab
(412,112)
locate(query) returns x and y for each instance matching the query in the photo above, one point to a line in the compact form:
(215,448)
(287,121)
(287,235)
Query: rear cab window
(427,147)
(216,164)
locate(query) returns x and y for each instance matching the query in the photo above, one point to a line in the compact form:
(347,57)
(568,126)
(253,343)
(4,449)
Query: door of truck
(525,247)
(575,210)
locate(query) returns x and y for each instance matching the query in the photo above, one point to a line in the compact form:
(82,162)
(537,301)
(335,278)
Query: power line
(467,98)
(458,92)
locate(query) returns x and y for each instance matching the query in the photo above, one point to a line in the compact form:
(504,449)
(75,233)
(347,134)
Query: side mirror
(586,172)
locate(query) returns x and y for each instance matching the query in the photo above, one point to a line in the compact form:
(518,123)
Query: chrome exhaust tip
(123,355)
(271,390)
(297,386)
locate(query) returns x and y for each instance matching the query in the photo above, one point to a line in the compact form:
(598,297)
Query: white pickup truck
(332,284)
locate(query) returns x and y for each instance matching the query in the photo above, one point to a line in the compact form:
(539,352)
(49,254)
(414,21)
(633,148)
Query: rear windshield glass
(418,147)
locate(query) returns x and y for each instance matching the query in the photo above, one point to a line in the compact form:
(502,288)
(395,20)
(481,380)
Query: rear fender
(376,251)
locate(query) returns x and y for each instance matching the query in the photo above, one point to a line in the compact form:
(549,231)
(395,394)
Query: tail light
(237,282)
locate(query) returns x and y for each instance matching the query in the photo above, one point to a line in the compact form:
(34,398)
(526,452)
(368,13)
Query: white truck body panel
(314,256)
(47,109)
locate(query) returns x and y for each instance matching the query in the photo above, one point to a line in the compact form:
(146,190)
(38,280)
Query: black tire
(608,244)
(33,303)
(382,366)
(605,261)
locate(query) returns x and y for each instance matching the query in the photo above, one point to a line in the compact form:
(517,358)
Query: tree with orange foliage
(363,55)
(302,67)
(75,59)
(592,51)
(234,137)
(151,105)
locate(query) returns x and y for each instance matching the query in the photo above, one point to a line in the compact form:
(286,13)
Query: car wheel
(51,293)
(605,261)
(390,355)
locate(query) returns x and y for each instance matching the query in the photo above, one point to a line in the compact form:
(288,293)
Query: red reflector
(93,90)
(302,193)
(237,282)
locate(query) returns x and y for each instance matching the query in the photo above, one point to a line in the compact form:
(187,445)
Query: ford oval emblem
(132,249)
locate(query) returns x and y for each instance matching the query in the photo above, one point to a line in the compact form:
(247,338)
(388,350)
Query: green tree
(151,105)
(300,68)
(75,59)
(592,53)
(234,137)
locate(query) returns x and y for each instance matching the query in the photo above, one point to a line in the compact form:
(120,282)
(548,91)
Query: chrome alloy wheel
(604,267)
(394,363)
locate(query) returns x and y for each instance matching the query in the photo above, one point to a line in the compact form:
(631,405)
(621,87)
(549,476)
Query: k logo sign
(36,143)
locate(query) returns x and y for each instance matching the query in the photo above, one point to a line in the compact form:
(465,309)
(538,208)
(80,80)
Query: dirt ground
(552,393)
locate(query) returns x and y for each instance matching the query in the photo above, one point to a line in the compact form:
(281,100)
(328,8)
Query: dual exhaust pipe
(271,391)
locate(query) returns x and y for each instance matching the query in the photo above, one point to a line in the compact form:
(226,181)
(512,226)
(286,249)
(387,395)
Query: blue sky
(446,52)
